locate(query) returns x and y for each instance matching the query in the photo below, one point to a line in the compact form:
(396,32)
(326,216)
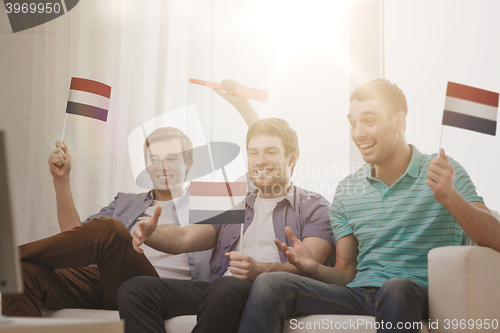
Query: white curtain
(430,43)
(142,50)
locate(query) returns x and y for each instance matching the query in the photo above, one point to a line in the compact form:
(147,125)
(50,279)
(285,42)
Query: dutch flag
(470,108)
(88,98)
(217,202)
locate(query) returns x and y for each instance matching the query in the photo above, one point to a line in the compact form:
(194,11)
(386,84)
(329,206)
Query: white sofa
(464,284)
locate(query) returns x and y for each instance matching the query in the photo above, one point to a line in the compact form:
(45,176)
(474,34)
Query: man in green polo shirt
(386,217)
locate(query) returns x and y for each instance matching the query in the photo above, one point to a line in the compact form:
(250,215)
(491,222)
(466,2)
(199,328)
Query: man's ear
(292,160)
(188,168)
(400,121)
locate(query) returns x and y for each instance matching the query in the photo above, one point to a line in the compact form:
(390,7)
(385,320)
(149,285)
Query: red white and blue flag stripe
(471,108)
(88,98)
(217,202)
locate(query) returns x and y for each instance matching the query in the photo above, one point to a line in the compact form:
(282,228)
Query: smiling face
(166,168)
(268,166)
(375,131)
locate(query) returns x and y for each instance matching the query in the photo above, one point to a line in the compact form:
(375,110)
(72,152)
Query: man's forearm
(166,238)
(175,240)
(67,215)
(332,275)
(247,112)
(281,267)
(475,220)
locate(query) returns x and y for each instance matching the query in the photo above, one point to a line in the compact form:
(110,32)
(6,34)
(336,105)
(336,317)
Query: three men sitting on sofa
(409,203)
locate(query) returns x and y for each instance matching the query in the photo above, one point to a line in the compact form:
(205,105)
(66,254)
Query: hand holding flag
(441,177)
(145,229)
(60,161)
(244,267)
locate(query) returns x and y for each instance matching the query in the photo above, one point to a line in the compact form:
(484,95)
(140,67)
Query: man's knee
(226,283)
(29,303)
(226,290)
(397,290)
(108,227)
(33,274)
(270,283)
(134,290)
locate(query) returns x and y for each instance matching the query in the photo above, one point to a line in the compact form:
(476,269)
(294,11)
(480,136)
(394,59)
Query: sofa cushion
(184,324)
(179,324)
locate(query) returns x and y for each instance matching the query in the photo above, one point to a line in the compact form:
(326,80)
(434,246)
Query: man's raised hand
(299,255)
(145,229)
(440,178)
(60,161)
(229,87)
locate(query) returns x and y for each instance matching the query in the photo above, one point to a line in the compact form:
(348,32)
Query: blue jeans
(278,296)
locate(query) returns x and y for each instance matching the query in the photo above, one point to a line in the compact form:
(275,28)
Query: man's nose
(358,132)
(164,165)
(260,159)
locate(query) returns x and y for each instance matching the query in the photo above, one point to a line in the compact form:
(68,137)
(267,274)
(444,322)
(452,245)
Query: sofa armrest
(463,284)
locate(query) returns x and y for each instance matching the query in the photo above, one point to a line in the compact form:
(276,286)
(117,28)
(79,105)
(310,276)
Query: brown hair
(383,90)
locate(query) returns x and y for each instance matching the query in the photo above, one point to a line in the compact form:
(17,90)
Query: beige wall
(16,52)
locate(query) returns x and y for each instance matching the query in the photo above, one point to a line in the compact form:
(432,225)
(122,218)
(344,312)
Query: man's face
(267,164)
(374,130)
(165,164)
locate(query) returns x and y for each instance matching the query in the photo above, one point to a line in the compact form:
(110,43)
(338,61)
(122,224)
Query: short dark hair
(168,133)
(279,128)
(382,90)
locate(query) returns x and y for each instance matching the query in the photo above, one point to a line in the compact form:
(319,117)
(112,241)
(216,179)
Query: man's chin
(269,187)
(163,189)
(262,182)
(369,158)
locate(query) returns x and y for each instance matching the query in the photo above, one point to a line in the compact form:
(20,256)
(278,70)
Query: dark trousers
(145,302)
(222,305)
(56,273)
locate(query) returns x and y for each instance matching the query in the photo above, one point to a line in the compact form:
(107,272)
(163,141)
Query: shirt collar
(415,162)
(151,194)
(290,196)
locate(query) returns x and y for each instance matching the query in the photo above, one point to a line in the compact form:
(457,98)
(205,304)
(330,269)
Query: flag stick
(211,158)
(228,189)
(241,237)
(440,139)
(64,126)
(232,203)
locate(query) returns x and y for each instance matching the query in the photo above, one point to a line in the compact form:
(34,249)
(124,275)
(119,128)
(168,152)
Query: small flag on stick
(217,202)
(471,108)
(88,98)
